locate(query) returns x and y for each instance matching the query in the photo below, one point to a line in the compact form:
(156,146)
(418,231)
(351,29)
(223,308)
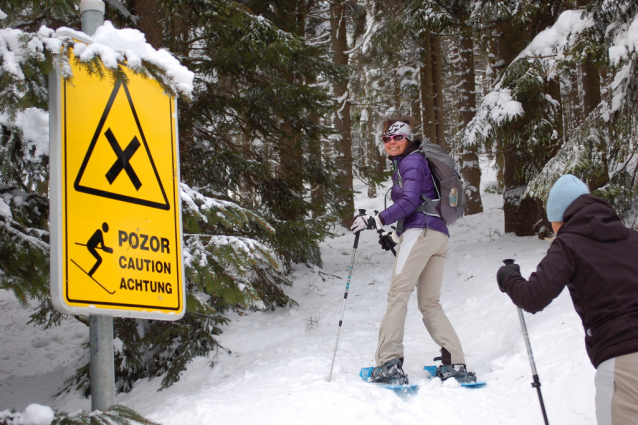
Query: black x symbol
(123,158)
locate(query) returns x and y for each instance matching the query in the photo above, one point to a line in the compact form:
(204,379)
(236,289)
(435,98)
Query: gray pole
(345,297)
(537,382)
(92,12)
(101,327)
(102,364)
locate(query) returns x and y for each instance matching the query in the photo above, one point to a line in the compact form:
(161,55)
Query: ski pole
(537,382)
(345,295)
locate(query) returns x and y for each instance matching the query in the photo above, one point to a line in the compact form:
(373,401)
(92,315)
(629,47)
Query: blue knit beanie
(563,193)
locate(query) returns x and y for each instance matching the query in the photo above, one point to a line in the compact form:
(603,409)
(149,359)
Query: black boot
(390,372)
(456,371)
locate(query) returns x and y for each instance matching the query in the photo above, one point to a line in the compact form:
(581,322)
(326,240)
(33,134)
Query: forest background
(285,111)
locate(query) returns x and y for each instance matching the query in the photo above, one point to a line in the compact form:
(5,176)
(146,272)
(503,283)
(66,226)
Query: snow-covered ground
(278,363)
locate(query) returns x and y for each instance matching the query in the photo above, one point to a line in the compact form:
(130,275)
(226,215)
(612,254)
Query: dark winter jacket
(594,255)
(416,180)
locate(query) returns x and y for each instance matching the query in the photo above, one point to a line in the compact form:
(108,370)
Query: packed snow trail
(276,370)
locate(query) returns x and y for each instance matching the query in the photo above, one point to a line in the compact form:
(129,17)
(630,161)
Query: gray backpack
(450,204)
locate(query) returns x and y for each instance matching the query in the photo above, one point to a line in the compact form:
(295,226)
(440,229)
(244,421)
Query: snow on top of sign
(109,44)
(112,45)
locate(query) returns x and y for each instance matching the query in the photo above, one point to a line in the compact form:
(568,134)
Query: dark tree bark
(428,119)
(521,216)
(591,77)
(371,149)
(415,109)
(342,120)
(553,89)
(437,76)
(574,98)
(150,16)
(470,169)
(591,86)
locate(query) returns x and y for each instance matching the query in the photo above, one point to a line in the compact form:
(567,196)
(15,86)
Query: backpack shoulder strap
(428,207)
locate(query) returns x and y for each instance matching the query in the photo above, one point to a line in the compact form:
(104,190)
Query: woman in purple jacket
(420,260)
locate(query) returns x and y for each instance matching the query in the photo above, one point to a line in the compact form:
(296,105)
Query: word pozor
(144,242)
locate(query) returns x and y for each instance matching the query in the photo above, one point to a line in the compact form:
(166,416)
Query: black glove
(386,242)
(506,271)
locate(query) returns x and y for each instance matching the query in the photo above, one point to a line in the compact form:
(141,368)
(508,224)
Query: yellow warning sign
(120,224)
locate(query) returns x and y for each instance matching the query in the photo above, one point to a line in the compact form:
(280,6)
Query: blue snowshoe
(456,371)
(390,375)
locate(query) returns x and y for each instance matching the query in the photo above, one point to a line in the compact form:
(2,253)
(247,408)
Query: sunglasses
(395,137)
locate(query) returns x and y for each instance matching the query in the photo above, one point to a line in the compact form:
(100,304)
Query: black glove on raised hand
(386,242)
(506,271)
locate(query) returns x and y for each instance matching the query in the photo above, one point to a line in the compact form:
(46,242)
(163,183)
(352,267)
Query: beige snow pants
(420,262)
(617,391)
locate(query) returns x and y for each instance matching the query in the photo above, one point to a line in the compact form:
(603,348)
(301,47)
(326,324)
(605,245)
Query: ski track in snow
(278,363)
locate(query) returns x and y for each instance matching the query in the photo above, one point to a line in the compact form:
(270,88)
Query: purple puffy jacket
(416,180)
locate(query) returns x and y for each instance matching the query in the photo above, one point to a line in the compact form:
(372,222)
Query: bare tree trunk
(521,216)
(246,190)
(290,172)
(470,169)
(317,195)
(150,16)
(437,76)
(574,98)
(342,120)
(591,87)
(553,89)
(315,149)
(415,109)
(371,149)
(428,119)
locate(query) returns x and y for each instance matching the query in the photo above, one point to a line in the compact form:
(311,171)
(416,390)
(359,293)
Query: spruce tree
(601,148)
(526,140)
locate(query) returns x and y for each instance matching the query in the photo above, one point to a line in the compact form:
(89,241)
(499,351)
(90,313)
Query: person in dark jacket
(420,260)
(594,255)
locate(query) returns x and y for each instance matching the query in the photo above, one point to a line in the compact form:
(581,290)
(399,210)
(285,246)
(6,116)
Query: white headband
(400,127)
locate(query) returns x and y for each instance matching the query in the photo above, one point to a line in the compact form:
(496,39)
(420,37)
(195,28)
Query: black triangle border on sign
(105,194)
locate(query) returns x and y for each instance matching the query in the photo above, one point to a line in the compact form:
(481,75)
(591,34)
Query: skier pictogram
(96,242)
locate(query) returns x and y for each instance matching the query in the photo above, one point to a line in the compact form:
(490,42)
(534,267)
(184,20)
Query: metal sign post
(100,327)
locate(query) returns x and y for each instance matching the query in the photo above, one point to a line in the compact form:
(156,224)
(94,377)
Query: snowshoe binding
(391,372)
(456,371)
(390,375)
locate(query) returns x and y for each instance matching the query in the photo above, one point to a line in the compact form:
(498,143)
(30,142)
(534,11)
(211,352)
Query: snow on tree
(530,111)
(523,116)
